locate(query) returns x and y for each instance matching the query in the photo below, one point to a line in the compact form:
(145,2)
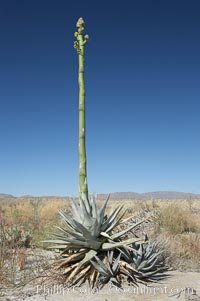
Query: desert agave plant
(89,233)
(93,248)
(145,261)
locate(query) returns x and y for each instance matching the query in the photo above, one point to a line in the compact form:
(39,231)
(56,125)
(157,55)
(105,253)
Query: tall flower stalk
(79,45)
(95,249)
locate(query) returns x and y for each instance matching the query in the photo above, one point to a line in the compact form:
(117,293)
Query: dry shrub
(49,211)
(175,220)
(182,250)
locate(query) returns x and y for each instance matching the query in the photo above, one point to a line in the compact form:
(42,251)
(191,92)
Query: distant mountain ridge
(150,195)
(4,195)
(132,195)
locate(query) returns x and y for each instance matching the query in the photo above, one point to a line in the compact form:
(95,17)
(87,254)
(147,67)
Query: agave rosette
(89,233)
(145,261)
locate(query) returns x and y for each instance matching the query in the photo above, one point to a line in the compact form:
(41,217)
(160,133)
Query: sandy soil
(161,292)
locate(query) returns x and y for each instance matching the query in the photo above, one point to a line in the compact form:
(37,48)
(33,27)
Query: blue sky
(143,96)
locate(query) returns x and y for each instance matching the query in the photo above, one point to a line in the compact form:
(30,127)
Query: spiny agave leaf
(150,273)
(94,207)
(86,202)
(58,241)
(119,234)
(86,233)
(89,255)
(153,256)
(114,213)
(64,237)
(68,220)
(75,212)
(100,267)
(149,267)
(72,258)
(69,269)
(116,223)
(94,244)
(86,214)
(110,256)
(125,272)
(115,281)
(95,229)
(124,252)
(148,248)
(142,264)
(110,246)
(116,264)
(94,276)
(76,235)
(69,239)
(81,275)
(74,243)
(57,247)
(111,218)
(73,248)
(103,209)
(140,251)
(127,266)
(104,234)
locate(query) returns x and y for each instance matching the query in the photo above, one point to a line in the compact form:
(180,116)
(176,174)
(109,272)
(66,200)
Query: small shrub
(174,220)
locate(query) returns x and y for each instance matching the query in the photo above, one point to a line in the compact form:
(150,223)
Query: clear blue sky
(143,96)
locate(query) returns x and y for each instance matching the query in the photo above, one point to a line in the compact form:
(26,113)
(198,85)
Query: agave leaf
(110,246)
(116,223)
(127,265)
(76,235)
(86,233)
(93,277)
(123,232)
(95,229)
(70,268)
(149,267)
(94,244)
(142,264)
(86,203)
(81,275)
(67,238)
(94,207)
(100,267)
(153,257)
(150,273)
(68,220)
(125,272)
(72,258)
(86,215)
(72,243)
(58,241)
(115,281)
(125,254)
(114,213)
(110,256)
(88,256)
(111,218)
(104,234)
(58,247)
(140,251)
(116,264)
(75,212)
(103,209)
